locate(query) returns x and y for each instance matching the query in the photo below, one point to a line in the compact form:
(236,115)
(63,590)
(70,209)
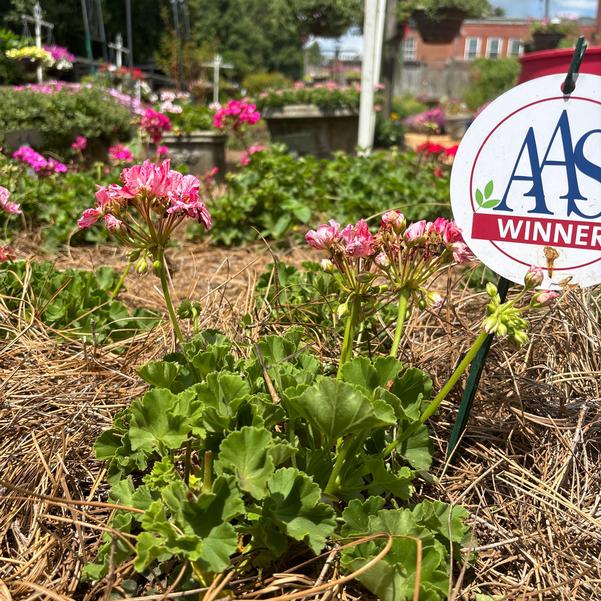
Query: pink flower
(88,218)
(80,144)
(324,236)
(155,124)
(437,227)
(53,166)
(358,239)
(185,200)
(6,205)
(121,153)
(28,155)
(395,220)
(162,151)
(452,233)
(112,223)
(236,114)
(245,158)
(461,252)
(416,231)
(534,277)
(382,260)
(147,178)
(6,254)
(451,151)
(107,195)
(543,298)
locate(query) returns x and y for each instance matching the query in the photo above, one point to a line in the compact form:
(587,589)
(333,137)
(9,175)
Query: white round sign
(526,182)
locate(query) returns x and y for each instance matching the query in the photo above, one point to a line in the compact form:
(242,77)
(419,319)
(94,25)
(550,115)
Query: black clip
(569,85)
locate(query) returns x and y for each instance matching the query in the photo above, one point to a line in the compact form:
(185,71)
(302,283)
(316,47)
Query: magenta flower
(121,154)
(416,231)
(155,124)
(80,143)
(112,223)
(6,254)
(6,205)
(37,162)
(452,233)
(325,236)
(461,252)
(236,115)
(358,239)
(162,151)
(146,178)
(88,218)
(245,158)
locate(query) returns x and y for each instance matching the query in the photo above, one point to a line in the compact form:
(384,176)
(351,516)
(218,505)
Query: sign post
(217,64)
(119,49)
(38,23)
(526,190)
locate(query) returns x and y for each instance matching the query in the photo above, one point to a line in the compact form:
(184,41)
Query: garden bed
(528,471)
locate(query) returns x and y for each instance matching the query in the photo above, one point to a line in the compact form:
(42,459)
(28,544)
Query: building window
(494,47)
(410,49)
(515,47)
(472,48)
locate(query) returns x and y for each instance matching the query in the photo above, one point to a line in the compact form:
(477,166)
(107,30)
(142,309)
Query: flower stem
(400,321)
(434,403)
(343,450)
(444,391)
(121,279)
(167,296)
(207,478)
(349,333)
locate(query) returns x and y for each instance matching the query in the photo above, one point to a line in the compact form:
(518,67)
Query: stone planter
(306,129)
(199,150)
(456,125)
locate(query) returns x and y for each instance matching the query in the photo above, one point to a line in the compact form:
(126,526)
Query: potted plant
(31,57)
(439,21)
(193,141)
(316,120)
(548,34)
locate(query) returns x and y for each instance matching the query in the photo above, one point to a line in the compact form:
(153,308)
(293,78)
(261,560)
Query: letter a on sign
(526,182)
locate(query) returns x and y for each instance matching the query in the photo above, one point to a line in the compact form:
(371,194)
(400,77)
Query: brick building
(490,38)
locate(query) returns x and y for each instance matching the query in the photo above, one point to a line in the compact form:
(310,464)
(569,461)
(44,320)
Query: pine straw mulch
(528,470)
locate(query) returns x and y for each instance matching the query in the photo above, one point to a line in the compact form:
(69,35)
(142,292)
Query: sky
(352,44)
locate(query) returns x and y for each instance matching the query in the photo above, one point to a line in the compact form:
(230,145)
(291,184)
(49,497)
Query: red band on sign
(533,230)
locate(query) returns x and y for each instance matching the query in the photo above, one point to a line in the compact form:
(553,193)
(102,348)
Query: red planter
(550,62)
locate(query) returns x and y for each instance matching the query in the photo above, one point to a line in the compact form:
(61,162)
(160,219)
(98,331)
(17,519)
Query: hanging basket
(439,28)
(546,40)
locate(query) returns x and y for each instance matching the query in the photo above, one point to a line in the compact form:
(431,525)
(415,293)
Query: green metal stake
(569,85)
(473,380)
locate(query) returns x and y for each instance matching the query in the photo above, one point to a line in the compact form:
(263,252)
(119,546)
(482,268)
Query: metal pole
(216,64)
(546,9)
(88,39)
(130,36)
(37,21)
(179,42)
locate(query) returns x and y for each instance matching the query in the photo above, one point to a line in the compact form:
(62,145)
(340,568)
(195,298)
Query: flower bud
(395,220)
(157,267)
(519,338)
(327,265)
(491,324)
(533,278)
(141,266)
(491,290)
(434,300)
(134,255)
(382,261)
(543,298)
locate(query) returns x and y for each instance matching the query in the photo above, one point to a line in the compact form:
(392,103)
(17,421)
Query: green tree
(490,77)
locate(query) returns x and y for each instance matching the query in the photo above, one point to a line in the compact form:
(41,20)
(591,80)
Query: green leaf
(160,374)
(384,481)
(417,449)
(479,198)
(489,204)
(488,189)
(153,425)
(336,409)
(356,515)
(294,504)
(447,521)
(107,444)
(245,455)
(408,388)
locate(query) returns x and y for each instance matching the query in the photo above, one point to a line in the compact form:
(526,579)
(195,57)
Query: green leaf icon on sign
(485,201)
(488,189)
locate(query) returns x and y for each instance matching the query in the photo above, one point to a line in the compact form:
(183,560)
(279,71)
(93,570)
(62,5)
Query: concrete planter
(456,125)
(306,129)
(199,150)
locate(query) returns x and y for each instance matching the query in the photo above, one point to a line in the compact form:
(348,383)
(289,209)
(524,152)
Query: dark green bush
(61,116)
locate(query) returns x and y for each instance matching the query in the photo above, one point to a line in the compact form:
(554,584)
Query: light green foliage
(277,194)
(261,81)
(61,116)
(490,77)
(221,470)
(75,302)
(194,117)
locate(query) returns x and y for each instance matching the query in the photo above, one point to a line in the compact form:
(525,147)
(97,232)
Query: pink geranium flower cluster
(236,115)
(79,144)
(155,124)
(405,256)
(39,163)
(152,201)
(120,154)
(60,54)
(6,205)
(6,254)
(245,158)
